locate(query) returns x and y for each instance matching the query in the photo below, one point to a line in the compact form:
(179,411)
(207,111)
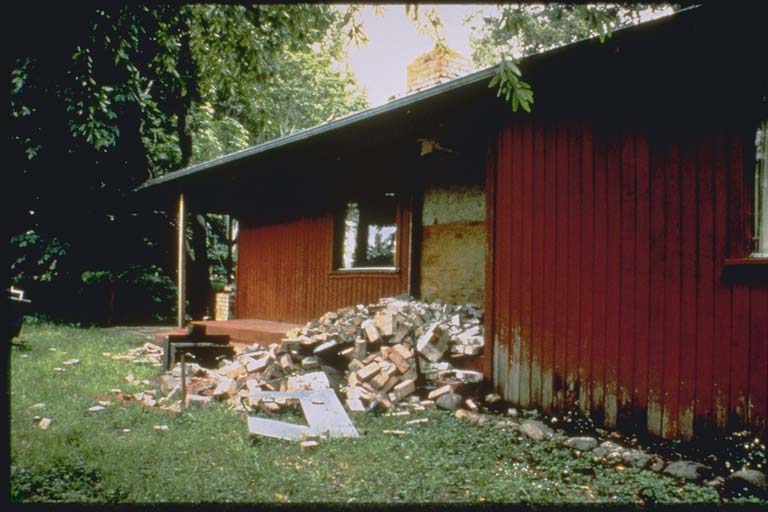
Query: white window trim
(760,249)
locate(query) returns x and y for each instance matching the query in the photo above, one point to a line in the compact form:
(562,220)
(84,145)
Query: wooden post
(181,267)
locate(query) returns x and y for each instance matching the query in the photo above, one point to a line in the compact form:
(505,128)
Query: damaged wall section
(454,237)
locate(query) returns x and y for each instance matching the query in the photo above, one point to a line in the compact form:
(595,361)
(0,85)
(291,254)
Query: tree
(111,97)
(523,29)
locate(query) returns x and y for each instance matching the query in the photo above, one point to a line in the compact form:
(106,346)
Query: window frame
(337,239)
(760,214)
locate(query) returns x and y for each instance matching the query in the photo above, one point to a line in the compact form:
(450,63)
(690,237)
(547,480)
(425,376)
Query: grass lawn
(117,455)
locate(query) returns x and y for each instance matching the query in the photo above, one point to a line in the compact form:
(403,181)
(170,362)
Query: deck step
(251,331)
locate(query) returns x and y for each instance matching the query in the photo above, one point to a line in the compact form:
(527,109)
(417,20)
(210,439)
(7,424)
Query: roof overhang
(635,68)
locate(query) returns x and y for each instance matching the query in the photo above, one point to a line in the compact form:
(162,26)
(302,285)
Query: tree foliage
(523,29)
(104,96)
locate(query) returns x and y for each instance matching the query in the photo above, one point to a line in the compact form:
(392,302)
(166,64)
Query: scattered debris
(43,423)
(149,353)
(376,356)
(71,362)
(96,408)
(161,428)
(306,445)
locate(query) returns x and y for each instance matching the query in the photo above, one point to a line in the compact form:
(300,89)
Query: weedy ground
(117,456)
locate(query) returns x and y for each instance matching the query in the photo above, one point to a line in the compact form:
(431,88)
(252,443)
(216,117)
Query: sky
(394,42)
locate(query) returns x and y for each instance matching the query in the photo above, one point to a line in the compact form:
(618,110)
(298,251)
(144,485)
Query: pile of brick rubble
(389,355)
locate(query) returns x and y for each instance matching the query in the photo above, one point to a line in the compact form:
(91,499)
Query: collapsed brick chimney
(435,67)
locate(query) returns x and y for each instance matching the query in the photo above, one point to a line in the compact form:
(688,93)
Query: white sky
(394,42)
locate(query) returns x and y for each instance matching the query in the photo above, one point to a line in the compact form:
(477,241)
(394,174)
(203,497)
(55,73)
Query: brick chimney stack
(435,67)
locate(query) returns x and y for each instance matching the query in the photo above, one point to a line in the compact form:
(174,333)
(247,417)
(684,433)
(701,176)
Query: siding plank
(539,208)
(600,286)
(669,424)
(657,292)
(757,403)
(526,277)
(587,260)
(628,275)
(613,283)
(689,257)
(705,275)
(722,317)
(549,274)
(573,249)
(561,268)
(643,282)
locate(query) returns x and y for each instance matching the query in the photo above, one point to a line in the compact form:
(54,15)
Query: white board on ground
(276,429)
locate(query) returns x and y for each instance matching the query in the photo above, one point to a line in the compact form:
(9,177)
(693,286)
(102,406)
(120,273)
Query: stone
(536,430)
(636,458)
(469,416)
(747,482)
(450,401)
(581,443)
(716,483)
(687,470)
(605,448)
(656,464)
(310,363)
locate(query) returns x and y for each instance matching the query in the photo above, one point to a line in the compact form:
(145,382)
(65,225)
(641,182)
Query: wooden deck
(249,330)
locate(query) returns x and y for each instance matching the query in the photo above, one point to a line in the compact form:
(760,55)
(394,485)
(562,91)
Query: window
(366,233)
(761,193)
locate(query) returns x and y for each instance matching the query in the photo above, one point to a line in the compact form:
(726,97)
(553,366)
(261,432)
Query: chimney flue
(435,67)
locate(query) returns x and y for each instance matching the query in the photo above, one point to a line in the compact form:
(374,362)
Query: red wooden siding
(284,270)
(609,287)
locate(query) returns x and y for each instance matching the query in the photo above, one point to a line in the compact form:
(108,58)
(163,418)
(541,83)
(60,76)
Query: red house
(617,236)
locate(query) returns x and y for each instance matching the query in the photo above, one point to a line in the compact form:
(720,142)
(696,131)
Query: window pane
(761,193)
(369,233)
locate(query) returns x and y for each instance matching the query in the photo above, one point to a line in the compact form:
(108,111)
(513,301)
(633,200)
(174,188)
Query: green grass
(206,456)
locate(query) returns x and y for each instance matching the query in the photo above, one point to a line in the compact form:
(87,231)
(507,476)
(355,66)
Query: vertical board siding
(285,271)
(609,287)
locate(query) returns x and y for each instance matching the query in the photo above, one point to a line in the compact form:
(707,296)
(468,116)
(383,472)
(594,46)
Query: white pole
(181,267)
